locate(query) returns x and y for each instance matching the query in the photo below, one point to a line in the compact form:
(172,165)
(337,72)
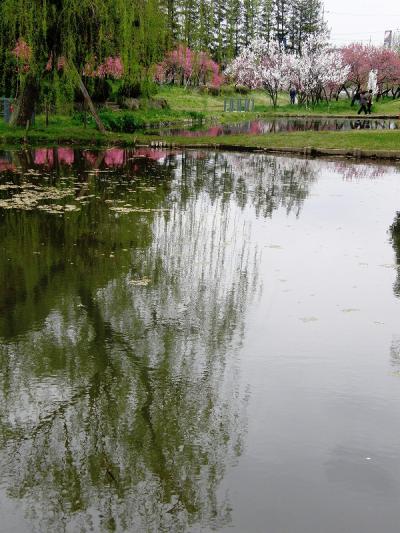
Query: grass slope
(184,100)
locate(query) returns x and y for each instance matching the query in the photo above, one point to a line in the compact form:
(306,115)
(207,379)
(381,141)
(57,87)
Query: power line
(363,14)
(366,32)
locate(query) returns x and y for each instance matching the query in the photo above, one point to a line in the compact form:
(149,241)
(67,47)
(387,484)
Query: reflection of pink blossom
(44,156)
(6,165)
(114,157)
(255,127)
(155,155)
(91,158)
(65,155)
(214,131)
(350,171)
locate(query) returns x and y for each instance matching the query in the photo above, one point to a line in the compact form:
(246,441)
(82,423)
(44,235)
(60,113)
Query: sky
(361,20)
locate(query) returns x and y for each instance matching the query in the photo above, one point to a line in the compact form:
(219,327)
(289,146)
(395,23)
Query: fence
(238,104)
(6,110)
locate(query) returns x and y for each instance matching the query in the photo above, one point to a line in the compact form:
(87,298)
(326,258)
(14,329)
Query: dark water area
(198,341)
(282,125)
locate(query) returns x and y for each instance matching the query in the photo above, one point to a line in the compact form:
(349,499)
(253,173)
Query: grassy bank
(372,142)
(187,106)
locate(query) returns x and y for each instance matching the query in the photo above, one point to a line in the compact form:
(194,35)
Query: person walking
(292,94)
(369,101)
(363,103)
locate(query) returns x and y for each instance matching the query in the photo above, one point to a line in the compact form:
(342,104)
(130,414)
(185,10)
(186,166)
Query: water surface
(198,341)
(283,125)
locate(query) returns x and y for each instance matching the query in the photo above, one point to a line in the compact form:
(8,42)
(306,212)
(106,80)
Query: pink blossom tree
(185,67)
(362,59)
(111,67)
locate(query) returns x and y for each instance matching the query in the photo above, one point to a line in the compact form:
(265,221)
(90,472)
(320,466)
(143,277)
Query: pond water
(198,341)
(283,125)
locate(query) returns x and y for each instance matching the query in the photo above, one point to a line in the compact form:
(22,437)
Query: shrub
(127,89)
(214,91)
(241,89)
(228,90)
(196,116)
(121,121)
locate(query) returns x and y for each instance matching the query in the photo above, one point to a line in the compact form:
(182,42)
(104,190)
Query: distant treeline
(223,27)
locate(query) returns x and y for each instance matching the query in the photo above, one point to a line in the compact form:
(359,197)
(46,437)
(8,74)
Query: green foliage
(241,89)
(121,121)
(227,90)
(80,31)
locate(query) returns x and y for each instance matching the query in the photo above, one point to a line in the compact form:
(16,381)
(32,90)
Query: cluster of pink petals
(61,63)
(364,58)
(184,66)
(22,50)
(49,64)
(111,67)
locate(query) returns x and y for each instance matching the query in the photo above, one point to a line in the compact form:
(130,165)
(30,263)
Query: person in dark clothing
(369,101)
(363,103)
(292,94)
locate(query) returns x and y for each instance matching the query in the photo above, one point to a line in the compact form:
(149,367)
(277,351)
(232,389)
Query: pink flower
(61,63)
(183,65)
(111,67)
(22,50)
(49,64)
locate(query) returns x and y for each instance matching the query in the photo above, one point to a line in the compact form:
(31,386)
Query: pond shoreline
(365,144)
(308,151)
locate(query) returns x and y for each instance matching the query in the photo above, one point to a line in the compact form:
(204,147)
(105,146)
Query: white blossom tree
(262,65)
(315,74)
(318,72)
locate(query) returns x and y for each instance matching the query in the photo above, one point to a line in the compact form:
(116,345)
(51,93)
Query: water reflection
(129,334)
(283,125)
(124,293)
(395,237)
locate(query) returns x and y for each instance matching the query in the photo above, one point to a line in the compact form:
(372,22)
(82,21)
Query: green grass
(348,140)
(180,99)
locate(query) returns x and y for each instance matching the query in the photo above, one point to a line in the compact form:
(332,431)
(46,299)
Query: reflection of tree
(266,182)
(395,351)
(118,410)
(351,171)
(395,234)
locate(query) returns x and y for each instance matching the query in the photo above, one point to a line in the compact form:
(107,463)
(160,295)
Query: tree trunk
(89,102)
(355,94)
(25,103)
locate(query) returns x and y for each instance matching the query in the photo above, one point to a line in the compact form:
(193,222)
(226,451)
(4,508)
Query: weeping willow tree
(53,42)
